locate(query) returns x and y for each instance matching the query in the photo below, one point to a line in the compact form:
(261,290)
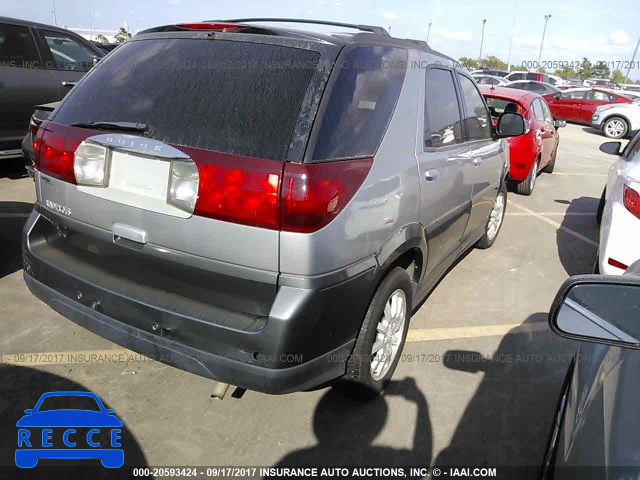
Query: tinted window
(477,118)
(517,76)
(235,97)
(537,110)
(442,121)
(17,47)
(361,102)
(68,53)
(574,95)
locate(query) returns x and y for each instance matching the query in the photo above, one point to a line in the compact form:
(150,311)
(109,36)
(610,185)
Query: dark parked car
(541,88)
(40,114)
(596,424)
(262,205)
(106,47)
(38,64)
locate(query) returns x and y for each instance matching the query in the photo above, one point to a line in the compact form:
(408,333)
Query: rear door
(592,100)
(23,82)
(68,57)
(544,131)
(567,107)
(484,163)
(445,180)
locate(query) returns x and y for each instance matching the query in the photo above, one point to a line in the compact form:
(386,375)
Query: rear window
(234,97)
(362,102)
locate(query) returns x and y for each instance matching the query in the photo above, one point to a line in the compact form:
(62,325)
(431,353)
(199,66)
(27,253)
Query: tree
(601,70)
(566,72)
(469,63)
(493,63)
(618,77)
(518,68)
(586,69)
(102,39)
(122,36)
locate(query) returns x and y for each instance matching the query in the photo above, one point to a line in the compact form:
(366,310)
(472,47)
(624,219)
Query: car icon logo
(69,425)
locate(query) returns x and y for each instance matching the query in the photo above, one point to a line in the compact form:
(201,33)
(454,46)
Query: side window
(548,117)
(537,110)
(516,76)
(477,118)
(573,95)
(442,120)
(632,148)
(17,47)
(68,53)
(600,96)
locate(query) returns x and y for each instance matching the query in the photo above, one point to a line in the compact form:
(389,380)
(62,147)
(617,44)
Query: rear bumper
(303,342)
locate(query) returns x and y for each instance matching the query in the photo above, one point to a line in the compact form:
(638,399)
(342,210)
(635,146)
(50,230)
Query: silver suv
(263,206)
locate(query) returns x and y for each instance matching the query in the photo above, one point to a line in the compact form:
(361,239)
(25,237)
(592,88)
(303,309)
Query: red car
(536,149)
(577,105)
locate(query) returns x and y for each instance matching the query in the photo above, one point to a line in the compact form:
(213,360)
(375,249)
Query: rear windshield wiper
(122,126)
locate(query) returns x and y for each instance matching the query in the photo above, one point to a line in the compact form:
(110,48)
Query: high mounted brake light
(212,26)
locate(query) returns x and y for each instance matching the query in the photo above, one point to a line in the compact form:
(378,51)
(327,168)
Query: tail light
(55,147)
(616,263)
(632,201)
(314,194)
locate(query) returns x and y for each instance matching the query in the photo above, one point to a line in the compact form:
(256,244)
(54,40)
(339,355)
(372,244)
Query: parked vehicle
(38,64)
(537,149)
(617,120)
(557,81)
(490,71)
(224,232)
(595,425)
(578,105)
(106,47)
(599,82)
(619,209)
(534,76)
(40,114)
(488,79)
(540,88)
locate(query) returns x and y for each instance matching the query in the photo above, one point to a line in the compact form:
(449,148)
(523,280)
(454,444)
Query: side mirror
(559,123)
(598,308)
(612,148)
(510,125)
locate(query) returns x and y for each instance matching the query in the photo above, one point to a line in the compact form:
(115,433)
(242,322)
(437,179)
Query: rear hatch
(182,139)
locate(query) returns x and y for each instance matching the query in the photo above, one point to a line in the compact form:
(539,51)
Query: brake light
(211,26)
(54,149)
(314,194)
(615,263)
(632,201)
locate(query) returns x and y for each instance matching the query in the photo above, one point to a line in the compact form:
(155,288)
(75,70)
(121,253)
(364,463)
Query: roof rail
(363,28)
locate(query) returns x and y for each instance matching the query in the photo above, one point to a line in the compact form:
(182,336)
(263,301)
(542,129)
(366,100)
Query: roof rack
(363,28)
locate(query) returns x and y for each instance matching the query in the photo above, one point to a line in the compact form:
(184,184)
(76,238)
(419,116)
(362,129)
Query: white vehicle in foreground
(619,210)
(616,120)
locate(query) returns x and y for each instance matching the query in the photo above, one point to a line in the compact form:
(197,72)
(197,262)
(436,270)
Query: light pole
(513,29)
(633,60)
(428,32)
(484,20)
(546,19)
(55,19)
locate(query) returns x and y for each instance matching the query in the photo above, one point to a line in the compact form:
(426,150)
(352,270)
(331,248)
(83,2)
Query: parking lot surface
(477,383)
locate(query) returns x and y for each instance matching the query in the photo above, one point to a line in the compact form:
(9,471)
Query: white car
(616,120)
(619,210)
(483,79)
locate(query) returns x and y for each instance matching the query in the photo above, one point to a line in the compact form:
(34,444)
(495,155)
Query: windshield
(69,402)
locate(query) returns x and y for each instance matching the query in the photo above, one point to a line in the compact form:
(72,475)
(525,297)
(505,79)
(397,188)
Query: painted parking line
(582,174)
(554,224)
(122,355)
(553,214)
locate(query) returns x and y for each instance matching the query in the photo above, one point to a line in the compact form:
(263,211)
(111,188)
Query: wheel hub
(389,331)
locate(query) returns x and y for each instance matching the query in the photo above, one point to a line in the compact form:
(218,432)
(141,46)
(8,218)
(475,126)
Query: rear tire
(600,210)
(552,163)
(526,186)
(495,220)
(385,324)
(615,127)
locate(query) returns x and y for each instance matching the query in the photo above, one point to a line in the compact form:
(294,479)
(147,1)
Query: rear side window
(477,118)
(235,97)
(517,76)
(362,101)
(68,53)
(442,120)
(537,110)
(17,47)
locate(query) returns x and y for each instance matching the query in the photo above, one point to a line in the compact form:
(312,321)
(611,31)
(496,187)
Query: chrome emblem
(58,208)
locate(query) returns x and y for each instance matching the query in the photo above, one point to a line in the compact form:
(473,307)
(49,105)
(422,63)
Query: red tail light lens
(615,263)
(54,149)
(314,194)
(632,200)
(236,188)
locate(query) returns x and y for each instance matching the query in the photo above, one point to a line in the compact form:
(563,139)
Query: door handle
(66,83)
(431,175)
(477,161)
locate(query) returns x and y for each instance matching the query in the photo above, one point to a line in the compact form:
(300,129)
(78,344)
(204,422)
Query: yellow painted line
(479,331)
(554,224)
(122,355)
(553,214)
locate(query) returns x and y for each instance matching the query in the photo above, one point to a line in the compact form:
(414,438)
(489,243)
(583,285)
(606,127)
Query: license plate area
(137,180)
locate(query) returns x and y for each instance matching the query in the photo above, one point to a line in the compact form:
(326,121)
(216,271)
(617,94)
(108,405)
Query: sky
(576,29)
